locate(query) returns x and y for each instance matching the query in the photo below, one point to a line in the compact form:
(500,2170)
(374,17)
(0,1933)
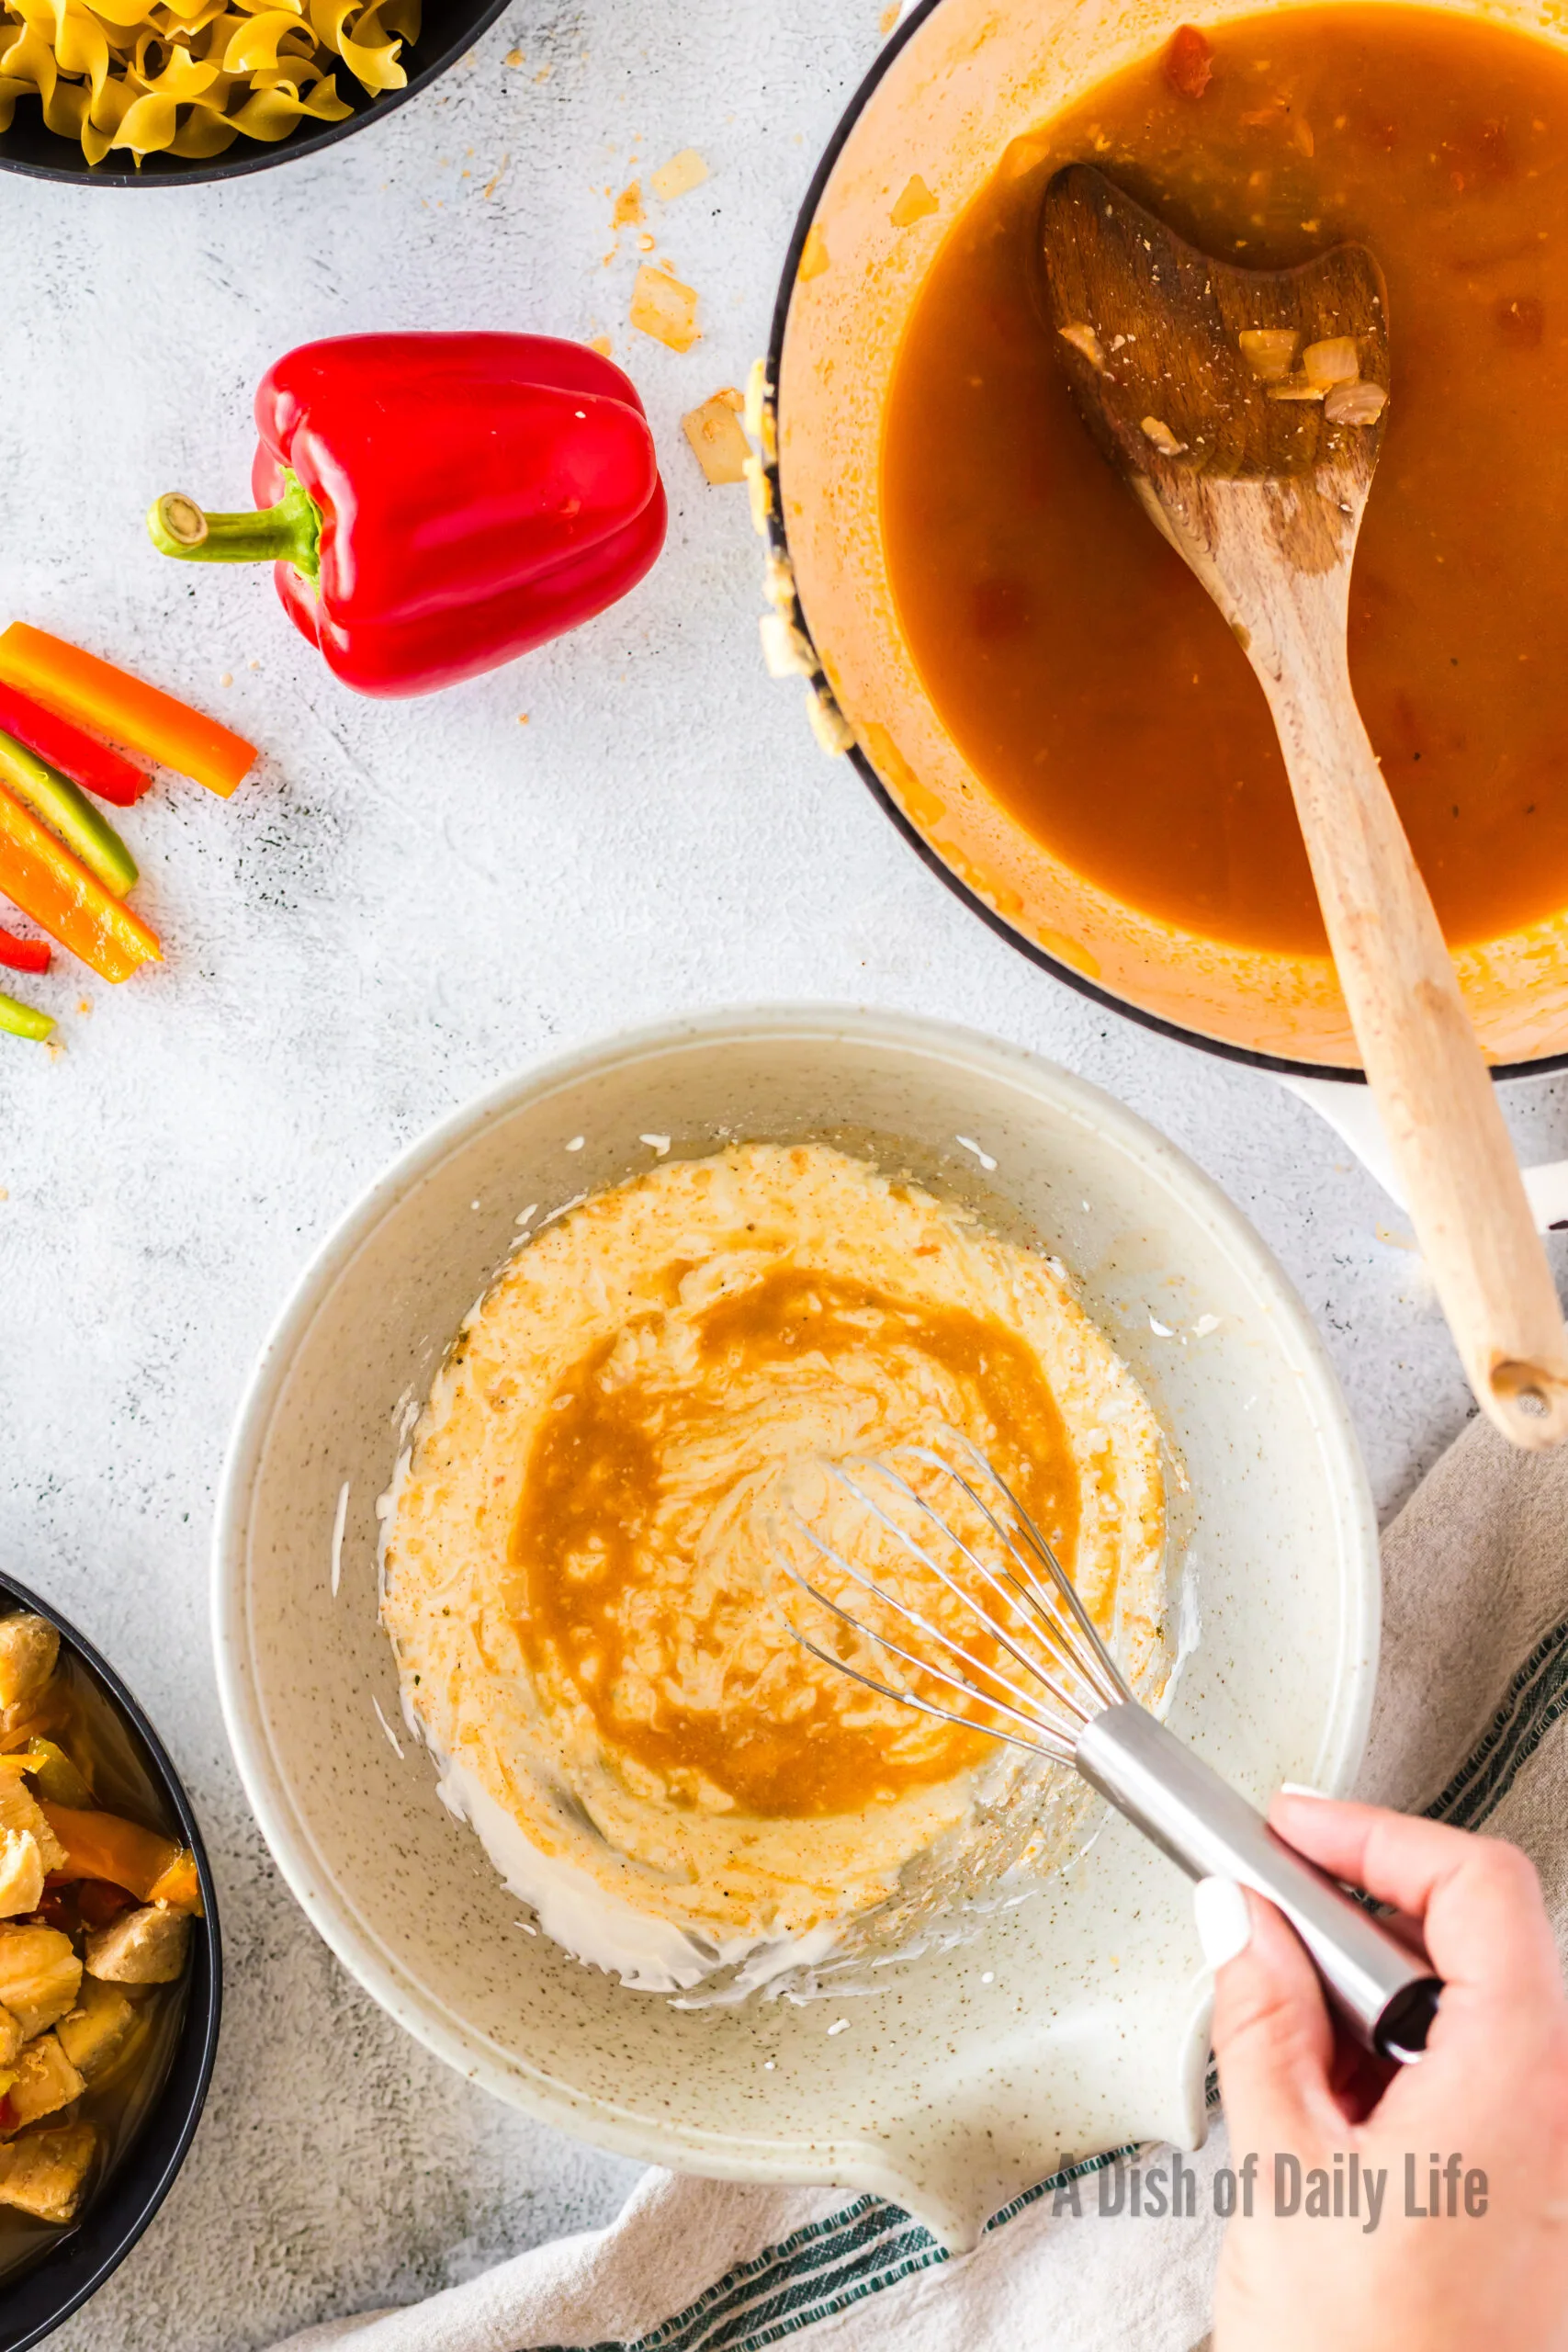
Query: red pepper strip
(98,1902)
(439,503)
(24,954)
(94,765)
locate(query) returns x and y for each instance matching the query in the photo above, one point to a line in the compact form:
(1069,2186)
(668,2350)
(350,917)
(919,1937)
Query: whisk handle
(1386,1994)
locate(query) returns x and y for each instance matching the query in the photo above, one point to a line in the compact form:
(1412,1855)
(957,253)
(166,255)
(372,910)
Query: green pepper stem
(289,532)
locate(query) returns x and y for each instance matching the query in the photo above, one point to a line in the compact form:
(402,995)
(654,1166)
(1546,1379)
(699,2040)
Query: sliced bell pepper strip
(20,1020)
(53,1775)
(140,717)
(101,1845)
(179,1889)
(95,766)
(24,954)
(65,807)
(40,874)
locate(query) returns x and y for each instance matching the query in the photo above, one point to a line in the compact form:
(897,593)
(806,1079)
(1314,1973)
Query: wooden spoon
(1260,485)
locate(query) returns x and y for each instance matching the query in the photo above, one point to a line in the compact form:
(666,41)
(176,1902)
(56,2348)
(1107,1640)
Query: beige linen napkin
(1471,1722)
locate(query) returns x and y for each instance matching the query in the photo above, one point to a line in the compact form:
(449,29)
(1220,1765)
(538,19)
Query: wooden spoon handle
(1421,1056)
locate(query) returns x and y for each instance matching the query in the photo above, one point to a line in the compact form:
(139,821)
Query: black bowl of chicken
(51,2269)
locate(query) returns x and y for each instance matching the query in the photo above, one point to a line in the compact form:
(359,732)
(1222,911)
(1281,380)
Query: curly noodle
(188,77)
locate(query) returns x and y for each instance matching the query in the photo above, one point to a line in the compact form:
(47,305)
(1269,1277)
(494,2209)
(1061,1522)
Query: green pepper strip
(289,532)
(23,1019)
(64,806)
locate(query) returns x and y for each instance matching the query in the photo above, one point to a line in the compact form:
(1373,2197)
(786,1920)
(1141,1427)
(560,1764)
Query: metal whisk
(1005,1642)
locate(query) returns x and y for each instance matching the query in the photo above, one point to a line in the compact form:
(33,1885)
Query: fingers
(1478,1899)
(1271,2032)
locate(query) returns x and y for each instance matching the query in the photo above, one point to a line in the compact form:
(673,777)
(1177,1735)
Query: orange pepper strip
(40,874)
(100,1845)
(140,717)
(180,1887)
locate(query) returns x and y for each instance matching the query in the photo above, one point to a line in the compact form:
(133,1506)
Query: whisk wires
(1022,1661)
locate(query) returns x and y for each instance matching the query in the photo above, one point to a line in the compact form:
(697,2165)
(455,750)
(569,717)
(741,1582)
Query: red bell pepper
(439,503)
(63,745)
(24,954)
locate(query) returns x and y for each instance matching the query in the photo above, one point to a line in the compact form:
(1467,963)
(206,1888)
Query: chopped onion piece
(1084,339)
(665,309)
(679,176)
(718,442)
(1355,404)
(1332,361)
(1270,352)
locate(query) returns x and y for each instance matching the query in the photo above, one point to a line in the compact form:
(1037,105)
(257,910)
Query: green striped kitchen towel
(1468,1724)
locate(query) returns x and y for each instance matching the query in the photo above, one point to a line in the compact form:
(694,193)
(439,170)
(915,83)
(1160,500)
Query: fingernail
(1224,1924)
(1300,1789)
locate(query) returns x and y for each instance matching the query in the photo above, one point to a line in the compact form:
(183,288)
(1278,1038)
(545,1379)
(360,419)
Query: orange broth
(1079,668)
(593,1487)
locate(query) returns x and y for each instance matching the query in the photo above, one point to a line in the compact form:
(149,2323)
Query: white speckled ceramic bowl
(1073,2023)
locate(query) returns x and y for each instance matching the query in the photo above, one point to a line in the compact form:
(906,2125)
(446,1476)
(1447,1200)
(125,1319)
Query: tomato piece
(99,1901)
(1188,62)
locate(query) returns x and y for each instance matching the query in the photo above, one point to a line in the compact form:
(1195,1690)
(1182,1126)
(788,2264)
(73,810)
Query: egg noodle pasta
(188,77)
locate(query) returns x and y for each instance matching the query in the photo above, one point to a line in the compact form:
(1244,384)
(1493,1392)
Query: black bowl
(450,30)
(34,2302)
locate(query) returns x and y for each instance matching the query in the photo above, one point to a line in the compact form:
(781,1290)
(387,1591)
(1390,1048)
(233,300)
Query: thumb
(1271,2030)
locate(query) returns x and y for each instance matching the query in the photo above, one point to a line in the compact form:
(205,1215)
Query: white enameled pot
(956,84)
(1072,2022)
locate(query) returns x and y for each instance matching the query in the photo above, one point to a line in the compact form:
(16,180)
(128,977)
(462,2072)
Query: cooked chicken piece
(11,2039)
(21,1812)
(94,2033)
(39,1975)
(28,1649)
(144,1947)
(45,2080)
(42,2172)
(21,1873)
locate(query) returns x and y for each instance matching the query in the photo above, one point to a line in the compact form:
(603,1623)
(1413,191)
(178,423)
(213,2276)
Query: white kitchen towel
(1470,1725)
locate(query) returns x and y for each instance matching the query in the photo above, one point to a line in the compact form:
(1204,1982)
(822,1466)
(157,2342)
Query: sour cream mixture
(580,1582)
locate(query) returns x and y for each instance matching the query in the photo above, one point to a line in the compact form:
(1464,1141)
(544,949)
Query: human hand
(1490,2098)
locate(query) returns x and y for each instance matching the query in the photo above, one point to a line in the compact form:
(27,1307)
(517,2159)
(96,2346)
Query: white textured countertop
(406,901)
